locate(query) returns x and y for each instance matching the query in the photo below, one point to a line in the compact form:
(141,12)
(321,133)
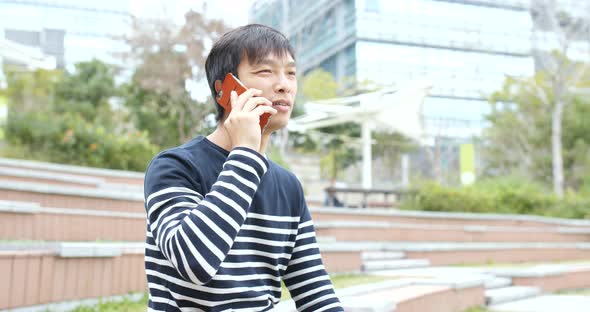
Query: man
(224,224)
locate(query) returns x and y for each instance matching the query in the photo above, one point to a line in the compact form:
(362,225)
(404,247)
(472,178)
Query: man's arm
(306,277)
(196,231)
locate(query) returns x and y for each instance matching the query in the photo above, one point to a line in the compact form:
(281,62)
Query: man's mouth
(281,106)
(280,103)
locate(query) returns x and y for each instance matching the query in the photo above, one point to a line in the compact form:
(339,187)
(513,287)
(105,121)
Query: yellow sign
(467,164)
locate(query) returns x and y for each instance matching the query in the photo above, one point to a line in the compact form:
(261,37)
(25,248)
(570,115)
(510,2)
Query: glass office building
(465,47)
(70,30)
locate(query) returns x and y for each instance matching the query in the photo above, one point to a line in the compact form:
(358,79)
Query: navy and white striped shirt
(223,230)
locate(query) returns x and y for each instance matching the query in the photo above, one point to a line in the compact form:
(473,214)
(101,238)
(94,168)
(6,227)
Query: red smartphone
(231,83)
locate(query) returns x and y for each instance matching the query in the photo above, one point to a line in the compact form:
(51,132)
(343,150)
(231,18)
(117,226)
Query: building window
(372,6)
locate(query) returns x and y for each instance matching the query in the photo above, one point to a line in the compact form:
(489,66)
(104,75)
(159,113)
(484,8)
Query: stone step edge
(360,224)
(375,265)
(541,271)
(498,282)
(345,293)
(53,176)
(35,208)
(73,304)
(42,177)
(71,249)
(511,293)
(360,246)
(30,207)
(383,255)
(449,215)
(44,188)
(70,168)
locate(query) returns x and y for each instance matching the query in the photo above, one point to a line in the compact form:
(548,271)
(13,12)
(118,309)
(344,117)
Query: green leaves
(167,57)
(510,194)
(519,137)
(67,118)
(319,85)
(76,117)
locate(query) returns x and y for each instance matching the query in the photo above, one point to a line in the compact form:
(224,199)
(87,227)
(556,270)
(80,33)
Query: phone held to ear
(231,83)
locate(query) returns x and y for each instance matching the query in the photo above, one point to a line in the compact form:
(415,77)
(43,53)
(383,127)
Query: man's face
(276,78)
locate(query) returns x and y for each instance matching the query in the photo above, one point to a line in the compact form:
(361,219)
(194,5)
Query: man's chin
(276,124)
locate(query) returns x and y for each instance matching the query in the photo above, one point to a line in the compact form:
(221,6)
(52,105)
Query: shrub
(500,195)
(69,138)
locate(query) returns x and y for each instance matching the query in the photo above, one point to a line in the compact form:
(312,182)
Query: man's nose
(282,84)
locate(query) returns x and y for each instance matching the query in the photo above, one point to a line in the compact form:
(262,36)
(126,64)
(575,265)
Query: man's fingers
(238,102)
(255,102)
(262,109)
(233,99)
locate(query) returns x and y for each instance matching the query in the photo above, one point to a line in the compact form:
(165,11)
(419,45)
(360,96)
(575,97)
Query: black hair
(253,41)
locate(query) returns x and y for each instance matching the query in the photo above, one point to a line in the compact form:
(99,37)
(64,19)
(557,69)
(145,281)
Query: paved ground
(547,303)
(541,303)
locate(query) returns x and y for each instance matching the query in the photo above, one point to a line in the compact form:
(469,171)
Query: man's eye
(264,71)
(293,73)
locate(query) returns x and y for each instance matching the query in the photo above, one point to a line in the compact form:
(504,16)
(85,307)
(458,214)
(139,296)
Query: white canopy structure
(389,109)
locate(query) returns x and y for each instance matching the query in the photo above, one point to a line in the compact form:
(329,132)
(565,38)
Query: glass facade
(88,28)
(448,25)
(454,73)
(465,47)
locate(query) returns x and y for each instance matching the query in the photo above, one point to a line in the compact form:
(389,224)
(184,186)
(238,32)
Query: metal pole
(367,165)
(405,170)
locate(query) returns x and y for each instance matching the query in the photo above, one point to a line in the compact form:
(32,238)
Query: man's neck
(220,138)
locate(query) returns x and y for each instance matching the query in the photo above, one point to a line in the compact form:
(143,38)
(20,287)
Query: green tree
(390,146)
(563,75)
(67,118)
(87,91)
(319,84)
(164,117)
(30,91)
(168,56)
(519,138)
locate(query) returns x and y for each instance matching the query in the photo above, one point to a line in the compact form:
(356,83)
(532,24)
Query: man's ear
(217,85)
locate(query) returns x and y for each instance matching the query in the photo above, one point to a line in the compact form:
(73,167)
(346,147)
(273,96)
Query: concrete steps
(348,256)
(404,295)
(31,221)
(384,260)
(429,218)
(498,282)
(511,293)
(42,273)
(92,205)
(105,175)
(74,197)
(375,265)
(545,303)
(383,255)
(360,230)
(421,289)
(64,179)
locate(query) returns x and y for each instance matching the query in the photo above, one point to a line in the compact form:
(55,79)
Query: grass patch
(128,305)
(577,292)
(345,280)
(348,280)
(125,305)
(478,309)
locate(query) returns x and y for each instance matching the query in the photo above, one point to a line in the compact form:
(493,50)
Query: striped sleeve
(196,231)
(306,277)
